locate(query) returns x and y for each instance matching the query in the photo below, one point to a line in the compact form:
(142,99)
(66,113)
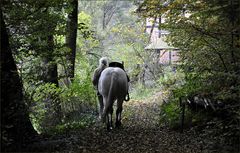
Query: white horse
(112,85)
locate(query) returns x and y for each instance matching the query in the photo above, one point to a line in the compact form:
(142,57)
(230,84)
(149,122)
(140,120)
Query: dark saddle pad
(116,64)
(120,65)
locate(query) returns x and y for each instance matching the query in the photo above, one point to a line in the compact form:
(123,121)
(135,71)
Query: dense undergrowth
(57,109)
(220,123)
(75,112)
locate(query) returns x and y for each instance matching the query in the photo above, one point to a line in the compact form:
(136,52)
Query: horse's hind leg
(109,118)
(100,99)
(119,113)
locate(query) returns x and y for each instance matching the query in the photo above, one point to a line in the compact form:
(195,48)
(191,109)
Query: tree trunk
(16,128)
(72,25)
(50,66)
(108,12)
(50,75)
(103,21)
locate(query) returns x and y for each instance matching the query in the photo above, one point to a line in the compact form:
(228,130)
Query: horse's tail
(110,97)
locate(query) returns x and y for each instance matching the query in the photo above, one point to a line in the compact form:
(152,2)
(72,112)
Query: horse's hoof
(109,129)
(118,124)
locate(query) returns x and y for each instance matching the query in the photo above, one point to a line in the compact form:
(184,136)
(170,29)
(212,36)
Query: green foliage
(81,123)
(43,97)
(209,49)
(37,31)
(130,42)
(79,97)
(139,92)
(170,110)
(171,79)
(84,18)
(209,59)
(41,104)
(30,31)
(30,27)
(80,91)
(203,31)
(83,79)
(170,113)
(122,38)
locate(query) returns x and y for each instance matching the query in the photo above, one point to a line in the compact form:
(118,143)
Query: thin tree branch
(219,55)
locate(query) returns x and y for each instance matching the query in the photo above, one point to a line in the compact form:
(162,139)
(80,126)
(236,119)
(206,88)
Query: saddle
(120,65)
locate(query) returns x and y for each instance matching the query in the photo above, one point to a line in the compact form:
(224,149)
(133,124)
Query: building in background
(167,55)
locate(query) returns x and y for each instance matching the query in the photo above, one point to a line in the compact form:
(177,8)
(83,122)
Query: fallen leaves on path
(140,133)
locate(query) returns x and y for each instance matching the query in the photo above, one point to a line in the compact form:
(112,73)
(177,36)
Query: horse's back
(116,79)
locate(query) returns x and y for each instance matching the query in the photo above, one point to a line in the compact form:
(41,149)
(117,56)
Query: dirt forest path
(140,133)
